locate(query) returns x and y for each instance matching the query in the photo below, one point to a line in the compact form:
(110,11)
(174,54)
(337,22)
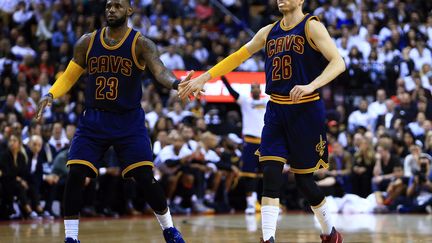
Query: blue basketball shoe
(70,240)
(172,235)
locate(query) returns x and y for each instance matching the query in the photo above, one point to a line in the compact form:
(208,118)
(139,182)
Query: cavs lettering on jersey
(287,51)
(113,81)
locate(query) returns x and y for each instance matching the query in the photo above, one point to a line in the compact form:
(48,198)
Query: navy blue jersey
(113,82)
(291,57)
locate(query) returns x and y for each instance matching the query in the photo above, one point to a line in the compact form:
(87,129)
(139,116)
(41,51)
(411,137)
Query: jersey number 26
(281,68)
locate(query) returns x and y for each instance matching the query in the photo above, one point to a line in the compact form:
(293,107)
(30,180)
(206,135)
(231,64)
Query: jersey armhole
(272,26)
(309,40)
(90,44)
(134,57)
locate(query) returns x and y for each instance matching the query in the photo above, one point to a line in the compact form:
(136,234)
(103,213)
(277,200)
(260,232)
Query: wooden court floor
(293,228)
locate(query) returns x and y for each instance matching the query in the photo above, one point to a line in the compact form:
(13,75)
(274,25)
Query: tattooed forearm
(151,56)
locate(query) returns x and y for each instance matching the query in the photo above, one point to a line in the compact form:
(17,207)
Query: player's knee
(310,190)
(143,175)
(272,179)
(78,173)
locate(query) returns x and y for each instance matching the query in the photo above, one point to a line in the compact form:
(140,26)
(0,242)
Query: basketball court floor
(295,228)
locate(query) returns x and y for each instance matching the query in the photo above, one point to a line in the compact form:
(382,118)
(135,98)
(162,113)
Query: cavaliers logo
(320,147)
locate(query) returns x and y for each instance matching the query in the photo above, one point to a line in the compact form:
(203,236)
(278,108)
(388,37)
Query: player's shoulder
(145,44)
(84,40)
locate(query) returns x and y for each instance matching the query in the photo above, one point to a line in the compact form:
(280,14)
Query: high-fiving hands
(192,86)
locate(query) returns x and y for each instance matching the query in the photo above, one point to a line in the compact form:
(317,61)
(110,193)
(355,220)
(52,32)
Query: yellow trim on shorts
(286,100)
(321,164)
(275,158)
(118,44)
(250,139)
(90,44)
(83,162)
(135,165)
(320,204)
(134,57)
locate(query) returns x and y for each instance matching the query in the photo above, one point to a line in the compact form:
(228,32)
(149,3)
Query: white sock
(269,216)
(71,228)
(165,220)
(323,215)
(251,200)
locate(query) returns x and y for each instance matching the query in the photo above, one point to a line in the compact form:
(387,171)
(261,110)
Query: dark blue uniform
(293,132)
(113,114)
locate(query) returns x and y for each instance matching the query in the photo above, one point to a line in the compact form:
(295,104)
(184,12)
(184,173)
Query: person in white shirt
(378,107)
(360,117)
(21,49)
(177,114)
(420,55)
(172,60)
(58,139)
(253,109)
(416,127)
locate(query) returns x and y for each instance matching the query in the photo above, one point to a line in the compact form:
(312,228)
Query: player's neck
(292,18)
(116,33)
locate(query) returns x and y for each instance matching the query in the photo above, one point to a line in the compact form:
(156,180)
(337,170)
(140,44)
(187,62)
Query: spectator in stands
(360,117)
(419,191)
(13,166)
(21,49)
(385,162)
(172,59)
(58,139)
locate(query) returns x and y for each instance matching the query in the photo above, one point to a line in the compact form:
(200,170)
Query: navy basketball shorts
(295,134)
(98,130)
(249,158)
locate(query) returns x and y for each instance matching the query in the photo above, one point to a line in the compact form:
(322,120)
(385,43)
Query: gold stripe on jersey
(90,44)
(134,57)
(309,40)
(250,139)
(118,44)
(286,100)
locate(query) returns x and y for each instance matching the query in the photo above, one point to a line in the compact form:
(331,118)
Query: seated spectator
(14,174)
(58,139)
(360,117)
(21,49)
(172,59)
(419,192)
(383,171)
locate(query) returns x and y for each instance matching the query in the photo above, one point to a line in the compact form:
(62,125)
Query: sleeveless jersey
(291,57)
(114,74)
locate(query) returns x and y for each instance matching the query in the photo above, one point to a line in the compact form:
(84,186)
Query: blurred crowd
(379,111)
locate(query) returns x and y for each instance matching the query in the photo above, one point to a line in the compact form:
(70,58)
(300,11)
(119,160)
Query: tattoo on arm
(151,55)
(80,50)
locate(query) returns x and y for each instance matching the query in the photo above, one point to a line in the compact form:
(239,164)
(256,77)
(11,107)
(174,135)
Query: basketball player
(114,57)
(301,57)
(253,110)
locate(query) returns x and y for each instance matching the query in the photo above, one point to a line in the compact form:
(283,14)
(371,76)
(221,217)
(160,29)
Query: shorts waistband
(286,100)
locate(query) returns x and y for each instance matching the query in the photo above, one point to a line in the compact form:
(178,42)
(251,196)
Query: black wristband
(175,84)
(50,95)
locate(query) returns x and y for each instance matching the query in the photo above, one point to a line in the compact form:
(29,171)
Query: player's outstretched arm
(227,64)
(325,44)
(70,76)
(147,50)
